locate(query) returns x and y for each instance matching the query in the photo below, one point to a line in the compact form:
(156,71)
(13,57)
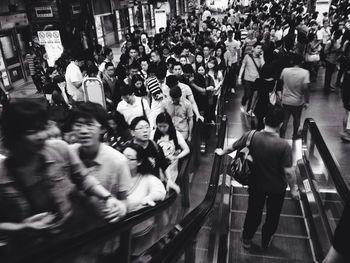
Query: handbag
(273,95)
(241,165)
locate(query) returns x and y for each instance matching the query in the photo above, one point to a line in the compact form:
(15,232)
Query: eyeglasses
(142,128)
(88,125)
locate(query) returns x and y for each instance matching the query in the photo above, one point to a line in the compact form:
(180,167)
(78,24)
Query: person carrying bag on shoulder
(271,170)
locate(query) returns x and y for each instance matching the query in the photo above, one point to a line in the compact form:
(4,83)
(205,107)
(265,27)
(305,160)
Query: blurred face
(154,57)
(199,59)
(144,65)
(133,53)
(88,131)
(138,84)
(133,72)
(325,24)
(142,131)
(131,155)
(201,70)
(110,71)
(258,50)
(218,52)
(141,50)
(112,125)
(110,56)
(177,70)
(34,140)
(211,64)
(273,32)
(163,127)
(218,34)
(206,51)
(129,99)
(183,61)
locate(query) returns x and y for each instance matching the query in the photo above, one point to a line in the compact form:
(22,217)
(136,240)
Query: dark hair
(126,90)
(136,120)
(21,116)
(134,65)
(274,116)
(188,69)
(177,64)
(171,81)
(109,64)
(171,61)
(58,79)
(106,51)
(175,92)
(119,120)
(143,168)
(90,110)
(164,117)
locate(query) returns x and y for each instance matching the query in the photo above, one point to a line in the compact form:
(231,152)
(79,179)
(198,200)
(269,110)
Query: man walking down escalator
(271,169)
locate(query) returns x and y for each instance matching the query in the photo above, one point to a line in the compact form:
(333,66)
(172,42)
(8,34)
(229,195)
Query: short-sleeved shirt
(110,168)
(271,154)
(180,114)
(73,74)
(62,169)
(131,111)
(294,80)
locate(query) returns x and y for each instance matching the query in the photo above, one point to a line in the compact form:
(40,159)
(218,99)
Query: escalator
(305,228)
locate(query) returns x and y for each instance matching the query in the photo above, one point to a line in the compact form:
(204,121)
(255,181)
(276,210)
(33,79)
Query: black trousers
(330,68)
(295,111)
(256,203)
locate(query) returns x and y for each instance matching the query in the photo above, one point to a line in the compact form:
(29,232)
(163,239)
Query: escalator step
(293,226)
(282,249)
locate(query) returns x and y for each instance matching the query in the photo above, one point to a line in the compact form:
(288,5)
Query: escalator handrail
(55,249)
(172,245)
(327,157)
(52,250)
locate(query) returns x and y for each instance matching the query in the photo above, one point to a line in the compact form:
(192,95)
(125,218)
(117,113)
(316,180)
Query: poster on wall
(53,45)
(160,18)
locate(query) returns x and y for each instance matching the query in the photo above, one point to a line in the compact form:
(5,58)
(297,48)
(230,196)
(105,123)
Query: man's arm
(195,107)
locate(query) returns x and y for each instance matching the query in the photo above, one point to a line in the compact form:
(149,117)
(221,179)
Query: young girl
(171,142)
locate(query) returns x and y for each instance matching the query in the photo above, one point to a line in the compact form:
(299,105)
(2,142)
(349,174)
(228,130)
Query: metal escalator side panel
(314,219)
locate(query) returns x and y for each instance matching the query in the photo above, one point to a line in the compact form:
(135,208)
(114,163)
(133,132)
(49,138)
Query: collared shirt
(110,168)
(62,170)
(180,114)
(73,74)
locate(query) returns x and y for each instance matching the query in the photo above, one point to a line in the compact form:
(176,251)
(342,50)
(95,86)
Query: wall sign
(43,11)
(53,45)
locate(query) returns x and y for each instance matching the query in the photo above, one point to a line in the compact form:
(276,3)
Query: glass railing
(325,182)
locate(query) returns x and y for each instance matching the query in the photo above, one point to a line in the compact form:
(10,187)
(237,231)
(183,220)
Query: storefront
(15,36)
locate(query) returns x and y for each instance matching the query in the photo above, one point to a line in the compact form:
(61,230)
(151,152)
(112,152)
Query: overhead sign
(43,11)
(160,18)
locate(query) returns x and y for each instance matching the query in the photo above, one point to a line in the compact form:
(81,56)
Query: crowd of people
(125,155)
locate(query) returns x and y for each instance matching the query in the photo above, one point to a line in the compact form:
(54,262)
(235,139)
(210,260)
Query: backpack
(241,165)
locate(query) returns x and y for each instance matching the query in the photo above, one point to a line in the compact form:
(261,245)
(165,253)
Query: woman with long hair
(217,76)
(137,83)
(219,55)
(172,143)
(118,132)
(199,59)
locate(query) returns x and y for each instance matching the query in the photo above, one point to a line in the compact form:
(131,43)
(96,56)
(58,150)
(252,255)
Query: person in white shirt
(74,79)
(206,14)
(232,57)
(132,106)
